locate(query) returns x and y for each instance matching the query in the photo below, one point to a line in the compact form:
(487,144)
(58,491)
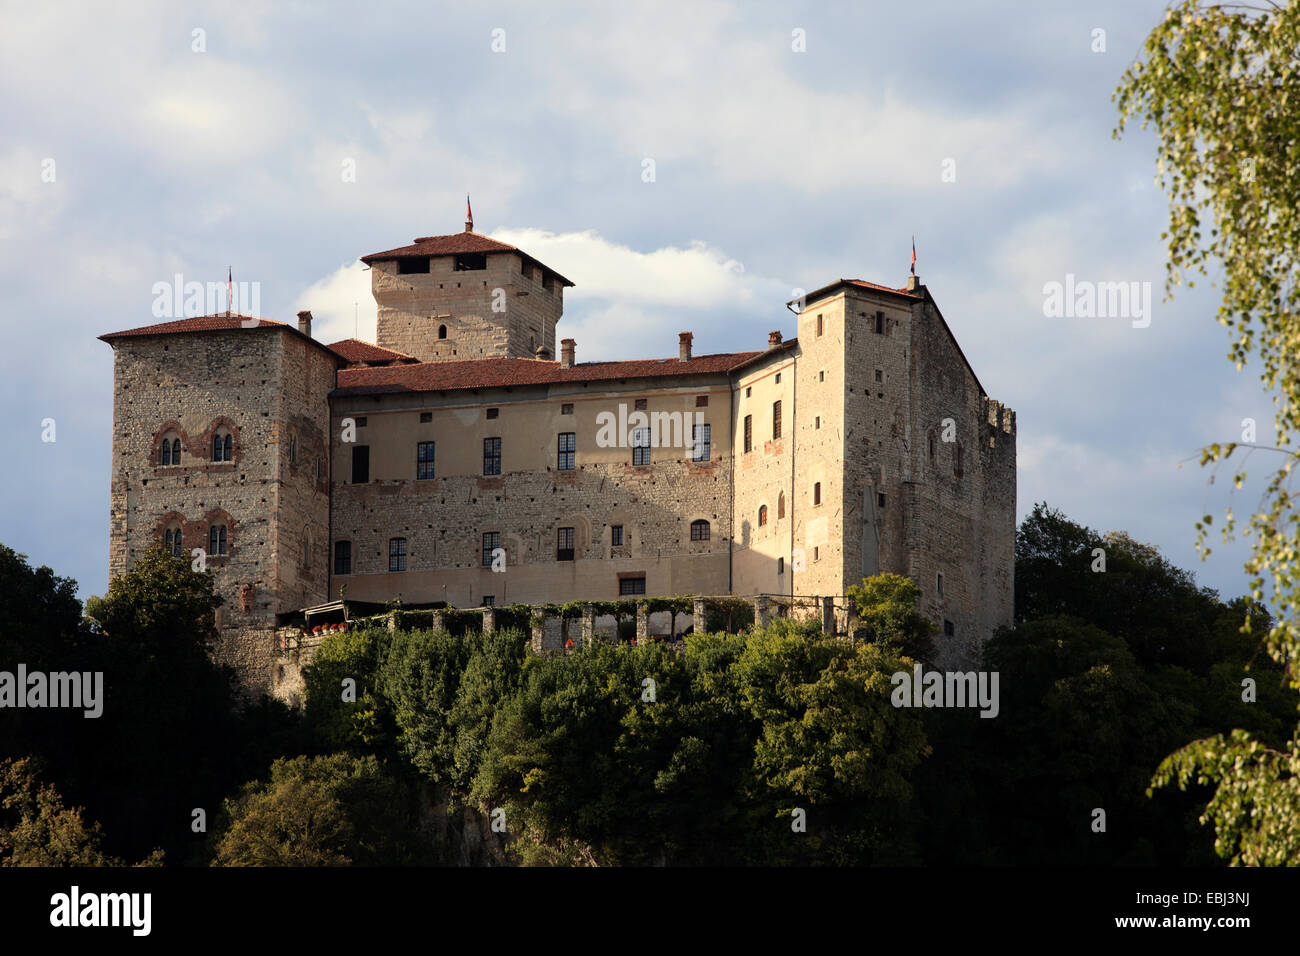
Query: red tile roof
(201,323)
(861,284)
(457,242)
(357,352)
(505,372)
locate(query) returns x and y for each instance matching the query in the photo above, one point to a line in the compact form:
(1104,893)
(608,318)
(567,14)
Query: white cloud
(333,301)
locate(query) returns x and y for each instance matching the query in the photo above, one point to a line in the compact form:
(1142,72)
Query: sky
(689,165)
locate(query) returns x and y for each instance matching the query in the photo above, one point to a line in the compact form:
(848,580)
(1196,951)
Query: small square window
(493,412)
(489,600)
(631,585)
(640,405)
(701,401)
(361,421)
(426,417)
(566,408)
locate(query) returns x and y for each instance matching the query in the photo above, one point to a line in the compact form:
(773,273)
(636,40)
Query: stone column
(588,625)
(392,620)
(642,624)
(538,625)
(436,621)
(828,616)
(762,612)
(699,615)
(489,620)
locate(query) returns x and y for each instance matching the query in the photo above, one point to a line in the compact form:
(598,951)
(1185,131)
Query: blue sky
(774,170)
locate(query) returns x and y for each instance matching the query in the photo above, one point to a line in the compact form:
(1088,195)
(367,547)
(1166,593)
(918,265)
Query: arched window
(172,541)
(700,530)
(170,451)
(227,446)
(780,505)
(216,540)
(442,331)
(762,515)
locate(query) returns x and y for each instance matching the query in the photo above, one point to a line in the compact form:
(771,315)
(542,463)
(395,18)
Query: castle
(459,460)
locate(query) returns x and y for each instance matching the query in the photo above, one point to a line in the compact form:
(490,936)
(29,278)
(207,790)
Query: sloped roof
(201,323)
(357,352)
(457,242)
(509,372)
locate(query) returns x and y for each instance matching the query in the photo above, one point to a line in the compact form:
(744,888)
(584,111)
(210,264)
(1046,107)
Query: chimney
(914,284)
(304,322)
(543,352)
(773,339)
(684,346)
(566,353)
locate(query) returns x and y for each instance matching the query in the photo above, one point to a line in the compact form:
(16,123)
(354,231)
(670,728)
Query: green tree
(1221,84)
(887,607)
(363,725)
(37,829)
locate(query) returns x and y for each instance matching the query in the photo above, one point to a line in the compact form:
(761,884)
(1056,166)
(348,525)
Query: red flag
(469,213)
(914,255)
(230,290)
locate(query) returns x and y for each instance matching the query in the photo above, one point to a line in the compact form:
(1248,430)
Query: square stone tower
(465,296)
(221,446)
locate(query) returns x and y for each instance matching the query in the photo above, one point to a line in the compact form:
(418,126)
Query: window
(880,376)
(564,544)
(293,449)
(616,535)
(547,280)
(494,413)
(957,469)
(819,326)
(749,433)
(780,566)
(342,557)
(780,505)
(361,421)
(396,554)
(701,436)
(817,421)
(360,464)
(566,408)
(938,580)
(491,456)
(641,405)
(748,390)
(778,378)
(412,266)
(821,376)
(762,515)
(489,600)
(567,452)
(701,401)
(640,446)
(631,585)
(426,417)
(470,262)
(424,459)
(491,541)
(880,500)
(776,420)
(222,446)
(817,554)
(442,331)
(880,323)
(700,530)
(930,439)
(948,629)
(216,540)
(817,493)
(172,541)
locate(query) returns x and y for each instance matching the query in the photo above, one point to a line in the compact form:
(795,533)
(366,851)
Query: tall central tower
(465,296)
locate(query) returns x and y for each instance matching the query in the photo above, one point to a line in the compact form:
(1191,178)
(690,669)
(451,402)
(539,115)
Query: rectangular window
(470,262)
(776,420)
(360,464)
(494,413)
(939,584)
(821,376)
(748,390)
(749,432)
(564,544)
(641,405)
(568,451)
(880,376)
(396,554)
(817,422)
(631,585)
(489,600)
(817,554)
(819,326)
(424,459)
(780,566)
(880,323)
(702,437)
(701,401)
(616,535)
(880,500)
(817,493)
(566,408)
(491,541)
(406,267)
(426,417)
(491,456)
(640,446)
(342,557)
(778,378)
(361,421)
(948,629)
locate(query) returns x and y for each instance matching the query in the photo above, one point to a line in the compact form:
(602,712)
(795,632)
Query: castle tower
(465,296)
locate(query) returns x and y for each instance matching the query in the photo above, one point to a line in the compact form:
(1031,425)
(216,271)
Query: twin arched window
(216,540)
(172,541)
(171,450)
(223,445)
